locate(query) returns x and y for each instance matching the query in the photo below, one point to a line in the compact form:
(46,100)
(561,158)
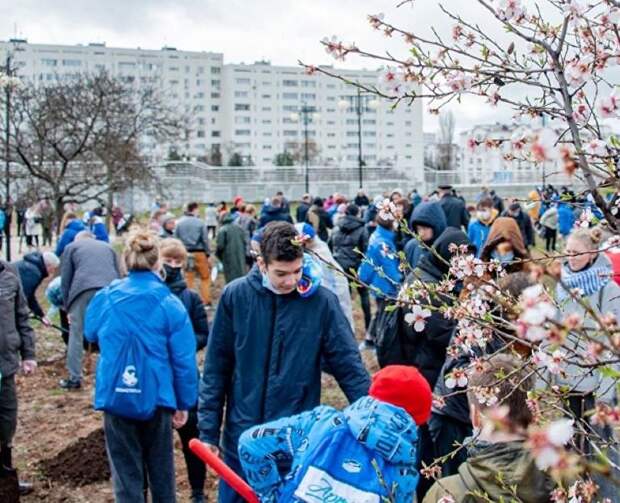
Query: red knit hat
(404,387)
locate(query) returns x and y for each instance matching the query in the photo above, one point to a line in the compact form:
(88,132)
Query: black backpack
(388,342)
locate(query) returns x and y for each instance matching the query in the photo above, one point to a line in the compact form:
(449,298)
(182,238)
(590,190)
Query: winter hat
(404,387)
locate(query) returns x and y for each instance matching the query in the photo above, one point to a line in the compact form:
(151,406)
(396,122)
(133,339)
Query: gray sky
(283,31)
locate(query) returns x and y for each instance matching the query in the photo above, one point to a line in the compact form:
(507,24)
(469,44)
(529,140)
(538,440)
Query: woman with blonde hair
(146,375)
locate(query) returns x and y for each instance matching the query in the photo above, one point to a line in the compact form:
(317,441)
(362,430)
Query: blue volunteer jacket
(386,431)
(379,268)
(566,219)
(141,305)
(68,235)
(264,359)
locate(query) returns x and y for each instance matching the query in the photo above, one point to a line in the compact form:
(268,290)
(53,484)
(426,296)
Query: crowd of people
(285,316)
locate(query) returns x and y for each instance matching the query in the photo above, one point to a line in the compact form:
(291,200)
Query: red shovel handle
(223,470)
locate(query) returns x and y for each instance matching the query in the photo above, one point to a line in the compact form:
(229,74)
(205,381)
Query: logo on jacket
(352,466)
(129,376)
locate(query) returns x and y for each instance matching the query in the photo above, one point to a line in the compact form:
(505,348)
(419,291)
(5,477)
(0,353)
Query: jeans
(550,238)
(227,494)
(202,269)
(446,432)
(8,411)
(75,350)
(362,291)
(196,469)
(136,446)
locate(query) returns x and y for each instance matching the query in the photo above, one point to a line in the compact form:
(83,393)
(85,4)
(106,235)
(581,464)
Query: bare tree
(80,138)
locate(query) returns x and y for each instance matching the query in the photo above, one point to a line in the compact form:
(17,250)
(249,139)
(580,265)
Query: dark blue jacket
(379,268)
(429,214)
(32,272)
(68,235)
(264,358)
(456,213)
(273,214)
(142,306)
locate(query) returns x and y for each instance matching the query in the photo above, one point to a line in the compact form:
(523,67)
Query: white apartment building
(191,79)
(247,109)
(261,117)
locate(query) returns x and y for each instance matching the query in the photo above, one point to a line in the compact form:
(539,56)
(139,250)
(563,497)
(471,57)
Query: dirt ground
(59,444)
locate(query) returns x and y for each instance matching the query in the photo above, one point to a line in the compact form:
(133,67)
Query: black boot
(9,485)
(6,460)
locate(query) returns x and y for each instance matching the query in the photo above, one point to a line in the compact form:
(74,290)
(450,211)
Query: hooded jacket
(264,358)
(368,421)
(380,267)
(566,219)
(478,478)
(231,248)
(350,235)
(426,350)
(478,231)
(141,306)
(506,229)
(16,336)
(32,271)
(68,235)
(429,214)
(320,220)
(525,225)
(274,214)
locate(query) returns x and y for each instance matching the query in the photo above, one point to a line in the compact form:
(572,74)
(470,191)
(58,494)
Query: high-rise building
(252,112)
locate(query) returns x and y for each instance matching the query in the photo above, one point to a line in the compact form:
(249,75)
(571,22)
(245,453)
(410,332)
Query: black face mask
(173,274)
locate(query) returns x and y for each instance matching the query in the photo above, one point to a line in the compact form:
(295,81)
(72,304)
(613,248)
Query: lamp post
(307,113)
(8,82)
(360,103)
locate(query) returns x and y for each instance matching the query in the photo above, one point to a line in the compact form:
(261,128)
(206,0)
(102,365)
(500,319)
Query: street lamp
(361,103)
(8,82)
(307,113)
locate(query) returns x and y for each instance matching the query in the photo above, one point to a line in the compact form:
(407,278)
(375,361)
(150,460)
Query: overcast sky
(282,31)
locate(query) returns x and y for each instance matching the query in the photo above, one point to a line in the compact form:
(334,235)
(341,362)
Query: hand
(213,448)
(45,320)
(29,366)
(179,419)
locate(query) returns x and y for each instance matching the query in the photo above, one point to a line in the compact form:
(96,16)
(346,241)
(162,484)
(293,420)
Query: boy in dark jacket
(266,347)
(174,258)
(428,221)
(348,243)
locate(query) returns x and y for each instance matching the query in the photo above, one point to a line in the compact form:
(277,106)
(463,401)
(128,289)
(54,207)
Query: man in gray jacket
(87,265)
(192,232)
(16,341)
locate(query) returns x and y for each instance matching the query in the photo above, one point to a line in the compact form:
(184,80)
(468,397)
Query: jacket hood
(433,264)
(517,467)
(229,218)
(272,210)
(349,224)
(505,229)
(383,428)
(430,214)
(36,259)
(76,225)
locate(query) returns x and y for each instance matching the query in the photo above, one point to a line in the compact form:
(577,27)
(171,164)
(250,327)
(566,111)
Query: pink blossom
(446,499)
(457,377)
(608,107)
(547,443)
(459,81)
(417,318)
(596,148)
(573,8)
(544,148)
(510,9)
(472,144)
(376,20)
(581,113)
(579,70)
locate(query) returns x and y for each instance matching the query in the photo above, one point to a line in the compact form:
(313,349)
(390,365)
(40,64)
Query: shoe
(198,498)
(70,384)
(25,488)
(367,345)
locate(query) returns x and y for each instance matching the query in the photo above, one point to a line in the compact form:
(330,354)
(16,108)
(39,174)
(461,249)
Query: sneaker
(70,384)
(367,345)
(25,488)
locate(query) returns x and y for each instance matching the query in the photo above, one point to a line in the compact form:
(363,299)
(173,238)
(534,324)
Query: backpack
(340,469)
(132,390)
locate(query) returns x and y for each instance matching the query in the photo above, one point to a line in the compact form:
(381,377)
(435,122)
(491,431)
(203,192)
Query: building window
(289,133)
(215,70)
(266,96)
(215,95)
(242,132)
(49,62)
(243,120)
(71,62)
(215,84)
(242,82)
(242,94)
(215,134)
(308,96)
(290,96)
(290,83)
(308,83)
(200,134)
(215,108)
(242,107)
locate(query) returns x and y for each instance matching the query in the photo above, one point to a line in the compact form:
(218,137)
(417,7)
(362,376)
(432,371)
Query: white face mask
(269,285)
(484,214)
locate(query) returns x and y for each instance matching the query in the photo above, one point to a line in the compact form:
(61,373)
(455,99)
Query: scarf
(588,282)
